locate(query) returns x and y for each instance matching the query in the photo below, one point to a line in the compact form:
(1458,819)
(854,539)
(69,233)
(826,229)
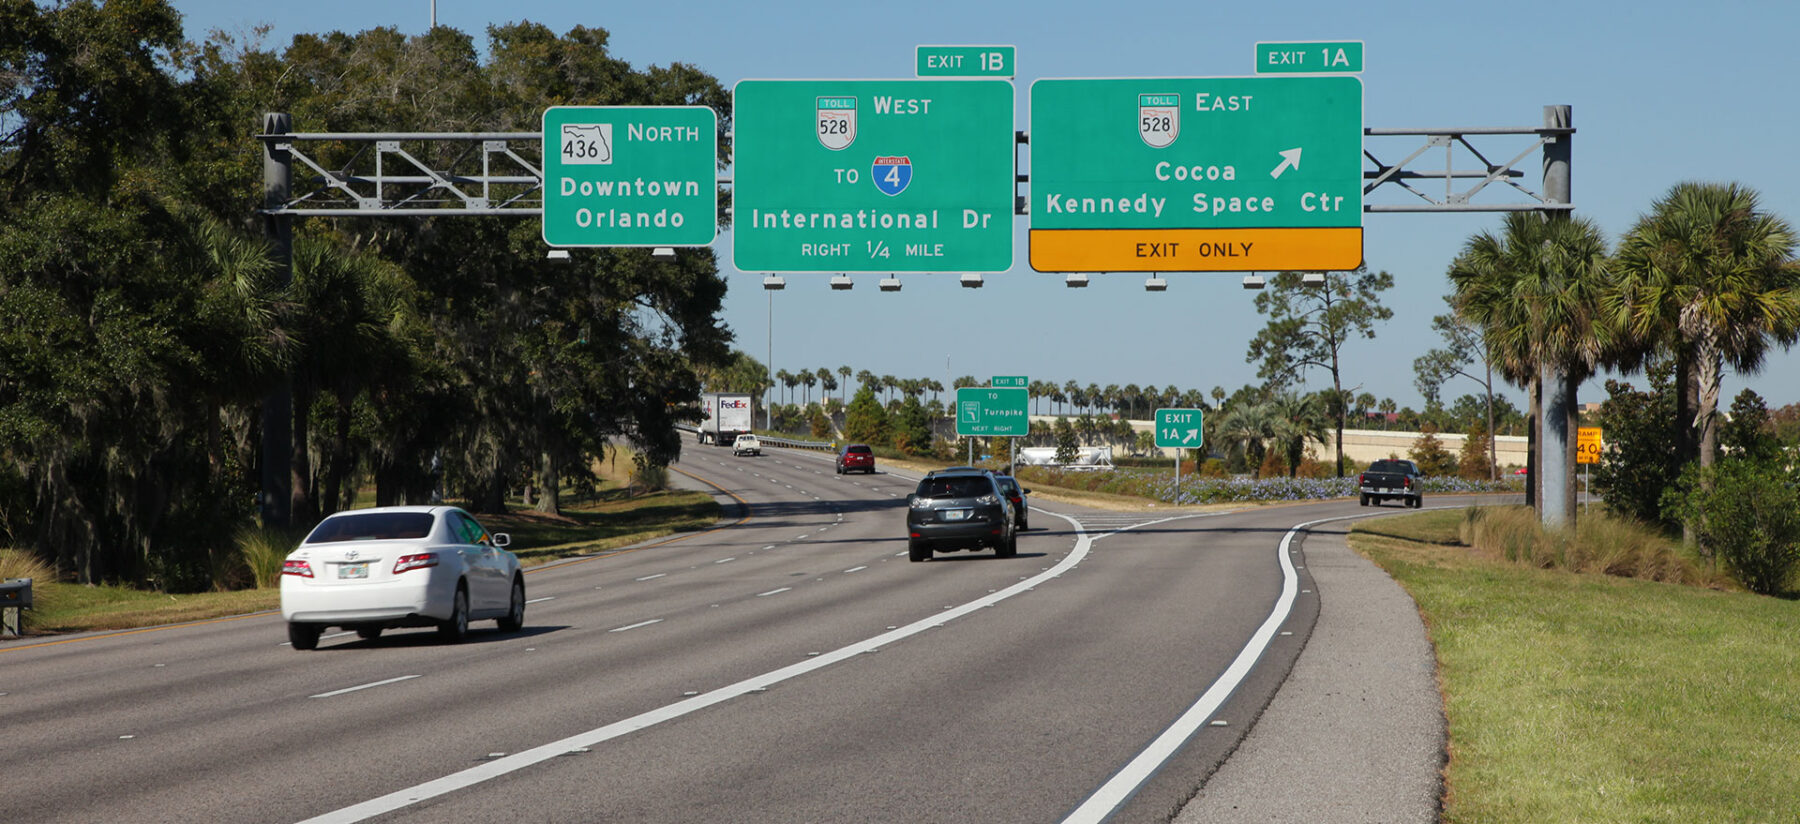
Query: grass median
(1595,698)
(589,524)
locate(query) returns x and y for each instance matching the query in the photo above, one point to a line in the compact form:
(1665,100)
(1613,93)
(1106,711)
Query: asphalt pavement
(1357,732)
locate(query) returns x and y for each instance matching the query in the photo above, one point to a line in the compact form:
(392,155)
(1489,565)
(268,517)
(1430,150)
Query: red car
(855,456)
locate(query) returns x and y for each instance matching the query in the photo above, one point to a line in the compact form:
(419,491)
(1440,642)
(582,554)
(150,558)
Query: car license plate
(353,570)
(956,514)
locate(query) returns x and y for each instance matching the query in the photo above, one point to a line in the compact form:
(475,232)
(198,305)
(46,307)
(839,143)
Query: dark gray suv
(959,509)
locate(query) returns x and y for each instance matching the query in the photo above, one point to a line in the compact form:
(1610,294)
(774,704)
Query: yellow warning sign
(1587,444)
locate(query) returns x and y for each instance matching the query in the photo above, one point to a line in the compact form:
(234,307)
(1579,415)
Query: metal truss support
(1552,139)
(357,174)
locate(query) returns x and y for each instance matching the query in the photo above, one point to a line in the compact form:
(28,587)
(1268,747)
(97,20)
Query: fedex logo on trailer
(734,404)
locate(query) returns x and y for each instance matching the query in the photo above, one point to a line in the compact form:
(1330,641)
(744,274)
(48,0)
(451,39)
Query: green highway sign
(873,176)
(630,175)
(988,412)
(1180,428)
(1310,57)
(1010,380)
(1197,174)
(966,61)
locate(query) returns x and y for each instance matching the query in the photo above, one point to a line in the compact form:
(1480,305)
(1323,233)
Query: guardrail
(790,443)
(770,440)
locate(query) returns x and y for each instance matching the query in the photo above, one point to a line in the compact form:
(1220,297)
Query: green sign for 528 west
(873,176)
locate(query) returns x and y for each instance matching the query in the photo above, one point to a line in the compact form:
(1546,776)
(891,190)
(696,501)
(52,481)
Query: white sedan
(400,566)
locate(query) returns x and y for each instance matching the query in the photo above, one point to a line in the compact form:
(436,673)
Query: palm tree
(827,382)
(1245,429)
(1072,396)
(1708,277)
(809,379)
(1297,419)
(844,374)
(788,380)
(1536,292)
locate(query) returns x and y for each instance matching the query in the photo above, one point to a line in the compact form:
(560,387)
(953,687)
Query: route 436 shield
(1159,119)
(892,174)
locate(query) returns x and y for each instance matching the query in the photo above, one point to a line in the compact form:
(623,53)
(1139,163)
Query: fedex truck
(727,416)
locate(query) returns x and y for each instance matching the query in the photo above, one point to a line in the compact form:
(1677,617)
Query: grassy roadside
(607,520)
(1584,697)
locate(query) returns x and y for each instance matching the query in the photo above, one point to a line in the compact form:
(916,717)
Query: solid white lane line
(654,577)
(541,600)
(855,569)
(1126,782)
(409,796)
(364,686)
(773,592)
(636,625)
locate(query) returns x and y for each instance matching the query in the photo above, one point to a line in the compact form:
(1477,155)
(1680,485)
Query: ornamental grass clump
(23,563)
(1600,543)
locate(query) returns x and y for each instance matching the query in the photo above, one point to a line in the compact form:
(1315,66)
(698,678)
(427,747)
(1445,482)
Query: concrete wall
(1364,445)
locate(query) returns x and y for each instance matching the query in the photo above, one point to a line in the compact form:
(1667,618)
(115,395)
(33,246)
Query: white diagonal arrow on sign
(1289,159)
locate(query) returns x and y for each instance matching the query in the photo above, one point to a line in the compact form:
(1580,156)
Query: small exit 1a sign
(1311,57)
(1180,428)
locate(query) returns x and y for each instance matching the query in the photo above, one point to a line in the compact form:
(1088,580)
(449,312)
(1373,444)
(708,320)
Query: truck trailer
(727,416)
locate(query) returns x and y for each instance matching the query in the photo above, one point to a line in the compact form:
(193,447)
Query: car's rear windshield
(968,486)
(859,450)
(373,526)
(1387,466)
(1007,485)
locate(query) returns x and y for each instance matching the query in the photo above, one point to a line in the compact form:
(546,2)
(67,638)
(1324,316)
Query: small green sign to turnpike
(630,175)
(988,412)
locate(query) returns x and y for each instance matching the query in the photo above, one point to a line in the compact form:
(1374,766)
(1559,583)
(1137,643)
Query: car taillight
(1409,483)
(1362,479)
(407,562)
(299,568)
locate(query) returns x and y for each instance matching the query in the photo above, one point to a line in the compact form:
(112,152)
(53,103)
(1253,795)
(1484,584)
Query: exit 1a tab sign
(1310,57)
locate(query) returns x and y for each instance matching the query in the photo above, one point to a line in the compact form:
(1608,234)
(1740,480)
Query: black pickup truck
(1391,479)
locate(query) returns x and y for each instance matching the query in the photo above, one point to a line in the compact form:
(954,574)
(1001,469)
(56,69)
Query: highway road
(790,665)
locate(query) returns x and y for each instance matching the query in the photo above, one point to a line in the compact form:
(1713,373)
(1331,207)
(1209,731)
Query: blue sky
(1661,93)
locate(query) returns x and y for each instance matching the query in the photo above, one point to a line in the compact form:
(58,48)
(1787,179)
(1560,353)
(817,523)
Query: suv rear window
(967,486)
(858,450)
(375,526)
